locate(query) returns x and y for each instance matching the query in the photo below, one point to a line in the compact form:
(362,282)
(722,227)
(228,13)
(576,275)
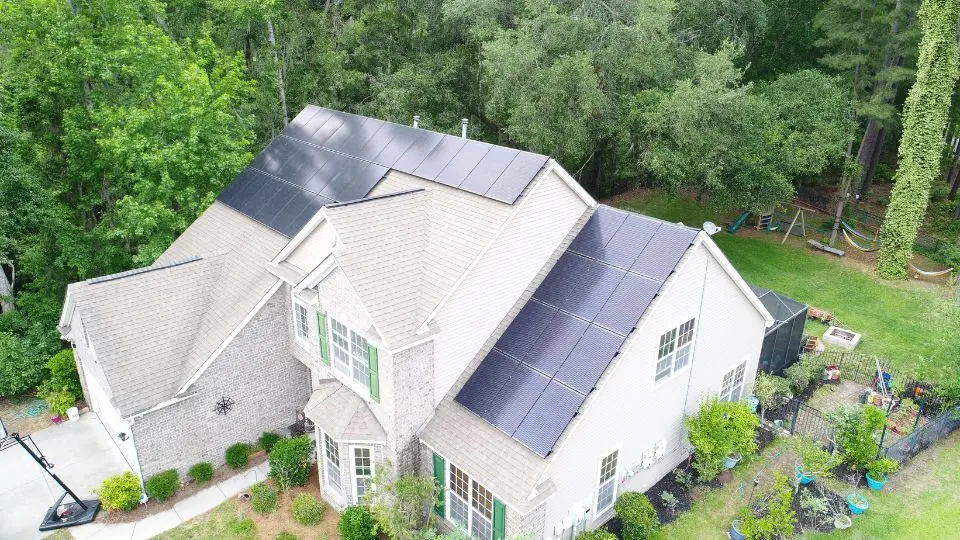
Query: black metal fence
(909,446)
(801,419)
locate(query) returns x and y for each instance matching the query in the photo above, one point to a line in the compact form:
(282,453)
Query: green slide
(735,226)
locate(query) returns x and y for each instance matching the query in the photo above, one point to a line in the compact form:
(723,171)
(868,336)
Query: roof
(325,156)
(343,414)
(780,307)
(154,328)
(140,342)
(541,369)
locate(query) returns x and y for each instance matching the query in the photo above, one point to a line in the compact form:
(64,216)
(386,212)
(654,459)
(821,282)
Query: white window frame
(738,371)
(672,345)
(326,462)
(472,511)
(601,483)
(355,353)
(302,340)
(353,469)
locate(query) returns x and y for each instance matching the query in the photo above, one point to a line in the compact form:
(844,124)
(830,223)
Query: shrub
(636,514)
(307,509)
(683,477)
(120,492)
(881,467)
(804,372)
(771,391)
(201,473)
(238,455)
(670,501)
(813,458)
(397,503)
(163,485)
(263,498)
(63,372)
(268,439)
(60,400)
(774,515)
(854,427)
(597,534)
(290,461)
(356,523)
(284,535)
(720,428)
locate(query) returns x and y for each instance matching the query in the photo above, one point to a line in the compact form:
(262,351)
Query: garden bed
(809,520)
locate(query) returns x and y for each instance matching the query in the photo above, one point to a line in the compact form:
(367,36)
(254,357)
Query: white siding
(492,287)
(630,413)
(314,248)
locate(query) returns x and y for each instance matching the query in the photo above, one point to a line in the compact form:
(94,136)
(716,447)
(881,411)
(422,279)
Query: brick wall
(267,385)
(413,402)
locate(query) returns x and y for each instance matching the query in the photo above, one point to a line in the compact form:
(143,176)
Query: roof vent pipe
(463,127)
(416,120)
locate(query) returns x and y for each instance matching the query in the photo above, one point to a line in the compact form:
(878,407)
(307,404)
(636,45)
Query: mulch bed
(809,521)
(153,506)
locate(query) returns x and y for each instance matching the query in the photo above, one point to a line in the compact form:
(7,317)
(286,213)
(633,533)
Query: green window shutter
(439,473)
(322,332)
(374,373)
(499,520)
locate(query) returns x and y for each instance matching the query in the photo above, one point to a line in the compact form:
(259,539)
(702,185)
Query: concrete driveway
(82,454)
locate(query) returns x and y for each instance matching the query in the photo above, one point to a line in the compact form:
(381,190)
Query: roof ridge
(377,197)
(142,270)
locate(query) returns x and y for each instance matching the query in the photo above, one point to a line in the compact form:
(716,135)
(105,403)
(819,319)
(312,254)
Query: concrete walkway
(189,508)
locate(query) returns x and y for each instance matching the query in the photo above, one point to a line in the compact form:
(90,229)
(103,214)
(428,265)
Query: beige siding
(492,287)
(314,248)
(630,413)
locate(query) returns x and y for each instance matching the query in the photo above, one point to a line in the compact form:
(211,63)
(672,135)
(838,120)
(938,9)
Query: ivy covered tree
(924,118)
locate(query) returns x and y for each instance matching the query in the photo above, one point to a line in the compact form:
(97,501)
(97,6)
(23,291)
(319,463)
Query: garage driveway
(82,454)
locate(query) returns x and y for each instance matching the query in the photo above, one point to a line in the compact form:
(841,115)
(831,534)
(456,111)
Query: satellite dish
(710,228)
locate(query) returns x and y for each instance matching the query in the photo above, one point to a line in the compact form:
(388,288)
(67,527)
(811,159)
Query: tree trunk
(248,48)
(271,36)
(872,169)
(6,293)
(844,195)
(953,174)
(869,148)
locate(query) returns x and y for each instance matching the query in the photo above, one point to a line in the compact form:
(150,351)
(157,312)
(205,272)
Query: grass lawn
(900,321)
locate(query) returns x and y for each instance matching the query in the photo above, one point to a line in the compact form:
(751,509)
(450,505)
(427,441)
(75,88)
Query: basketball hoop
(61,514)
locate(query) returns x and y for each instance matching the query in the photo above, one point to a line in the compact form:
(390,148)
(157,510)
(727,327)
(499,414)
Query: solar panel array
(534,380)
(327,156)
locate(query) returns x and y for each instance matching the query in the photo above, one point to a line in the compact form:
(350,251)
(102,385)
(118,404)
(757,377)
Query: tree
(924,119)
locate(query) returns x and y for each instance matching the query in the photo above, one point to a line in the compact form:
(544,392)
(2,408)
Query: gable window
(731,389)
(332,455)
(675,350)
(362,470)
(301,324)
(471,504)
(606,490)
(350,353)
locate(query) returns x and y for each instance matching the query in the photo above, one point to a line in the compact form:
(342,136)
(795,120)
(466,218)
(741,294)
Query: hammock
(854,244)
(848,227)
(928,273)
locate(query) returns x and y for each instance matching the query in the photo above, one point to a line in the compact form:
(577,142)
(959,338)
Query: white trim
(301,235)
(597,512)
(714,249)
(553,166)
(446,465)
(322,438)
(323,269)
(355,496)
(448,496)
(743,361)
(173,401)
(413,344)
(256,309)
(674,371)
(302,341)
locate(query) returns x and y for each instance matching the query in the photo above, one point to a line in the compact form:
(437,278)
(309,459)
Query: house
(432,304)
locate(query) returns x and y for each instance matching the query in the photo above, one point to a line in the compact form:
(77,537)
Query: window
(362,470)
(350,353)
(301,324)
(471,504)
(676,348)
(731,388)
(606,491)
(332,454)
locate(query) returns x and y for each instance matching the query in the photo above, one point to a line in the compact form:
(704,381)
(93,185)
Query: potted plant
(731,460)
(735,533)
(857,503)
(721,433)
(877,472)
(842,521)
(813,460)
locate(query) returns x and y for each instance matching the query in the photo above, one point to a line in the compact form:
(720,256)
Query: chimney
(416,120)
(463,127)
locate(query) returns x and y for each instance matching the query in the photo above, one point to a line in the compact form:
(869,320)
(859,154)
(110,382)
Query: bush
(771,391)
(854,427)
(307,509)
(21,363)
(284,535)
(120,492)
(268,439)
(238,455)
(163,485)
(397,503)
(881,467)
(772,516)
(60,400)
(356,523)
(720,428)
(813,458)
(636,514)
(290,461)
(263,498)
(63,372)
(804,372)
(201,473)
(597,534)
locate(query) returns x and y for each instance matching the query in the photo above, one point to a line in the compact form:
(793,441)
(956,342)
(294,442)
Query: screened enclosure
(784,339)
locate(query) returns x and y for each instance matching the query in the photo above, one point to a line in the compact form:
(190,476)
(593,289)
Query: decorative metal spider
(224,405)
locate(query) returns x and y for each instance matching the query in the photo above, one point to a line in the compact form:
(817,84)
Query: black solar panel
(573,327)
(343,156)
